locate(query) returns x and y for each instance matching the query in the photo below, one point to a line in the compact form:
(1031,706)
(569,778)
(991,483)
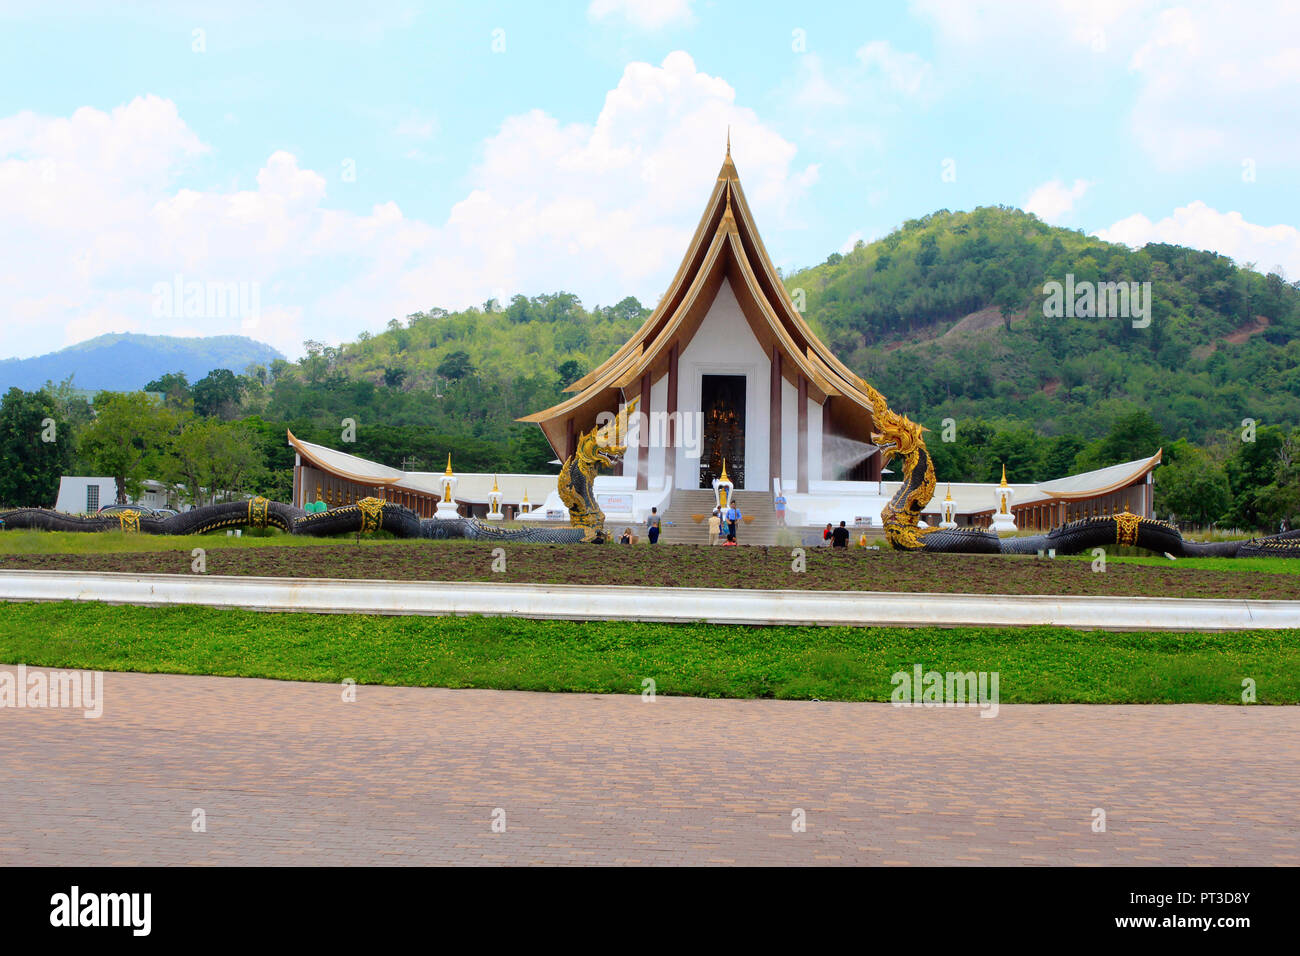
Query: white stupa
(949,511)
(1003,522)
(447,506)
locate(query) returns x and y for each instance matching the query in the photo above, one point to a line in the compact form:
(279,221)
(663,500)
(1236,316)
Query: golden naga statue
(899,436)
(601,448)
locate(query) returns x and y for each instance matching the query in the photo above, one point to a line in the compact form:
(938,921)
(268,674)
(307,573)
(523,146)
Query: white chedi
(1004,523)
(447,505)
(494,502)
(723,488)
(949,511)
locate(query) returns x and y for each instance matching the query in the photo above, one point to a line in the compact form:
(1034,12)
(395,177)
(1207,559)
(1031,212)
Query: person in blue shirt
(733,519)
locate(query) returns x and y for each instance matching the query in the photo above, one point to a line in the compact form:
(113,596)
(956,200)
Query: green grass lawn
(1036,665)
(1249,565)
(119,542)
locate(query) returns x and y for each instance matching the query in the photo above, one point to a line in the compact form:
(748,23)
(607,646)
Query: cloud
(813,89)
(616,201)
(644,14)
(902,72)
(1214,82)
(1218,84)
(96,217)
(1199,226)
(1053,200)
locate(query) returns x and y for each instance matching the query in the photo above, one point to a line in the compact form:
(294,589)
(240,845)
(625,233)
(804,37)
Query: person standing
(715,527)
(733,520)
(840,537)
(652,525)
(780,511)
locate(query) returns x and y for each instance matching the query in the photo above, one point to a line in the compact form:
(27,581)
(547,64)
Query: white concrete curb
(579,602)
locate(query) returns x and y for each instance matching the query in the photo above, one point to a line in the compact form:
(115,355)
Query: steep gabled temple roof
(726,247)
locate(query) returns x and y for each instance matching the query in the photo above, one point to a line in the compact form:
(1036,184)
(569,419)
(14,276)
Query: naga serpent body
(899,436)
(366,516)
(596,449)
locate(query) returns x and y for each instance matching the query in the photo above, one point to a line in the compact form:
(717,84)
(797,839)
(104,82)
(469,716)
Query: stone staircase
(680,527)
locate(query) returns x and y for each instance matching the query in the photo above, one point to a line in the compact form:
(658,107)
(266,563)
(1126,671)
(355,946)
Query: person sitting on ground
(730,542)
(826,534)
(840,537)
(627,536)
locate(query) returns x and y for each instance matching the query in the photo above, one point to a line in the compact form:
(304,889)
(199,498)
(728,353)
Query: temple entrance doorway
(722,398)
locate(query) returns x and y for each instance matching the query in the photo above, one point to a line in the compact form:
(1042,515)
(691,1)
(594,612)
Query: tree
(455,366)
(217,460)
(36,447)
(175,388)
(569,372)
(1007,299)
(1058,457)
(1251,468)
(1133,435)
(1194,487)
(217,394)
(128,440)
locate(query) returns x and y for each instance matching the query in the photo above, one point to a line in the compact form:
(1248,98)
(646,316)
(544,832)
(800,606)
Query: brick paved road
(287,773)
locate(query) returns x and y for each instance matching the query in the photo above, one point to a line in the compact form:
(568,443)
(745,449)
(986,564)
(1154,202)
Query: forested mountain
(127,360)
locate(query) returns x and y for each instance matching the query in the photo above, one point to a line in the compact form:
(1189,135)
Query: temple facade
(725,372)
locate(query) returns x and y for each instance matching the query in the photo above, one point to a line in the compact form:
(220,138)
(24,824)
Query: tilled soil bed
(688,566)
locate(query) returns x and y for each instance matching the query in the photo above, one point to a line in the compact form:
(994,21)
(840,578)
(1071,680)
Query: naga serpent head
(898,434)
(606,444)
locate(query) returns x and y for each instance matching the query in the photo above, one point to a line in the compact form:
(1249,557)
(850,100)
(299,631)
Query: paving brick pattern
(288,773)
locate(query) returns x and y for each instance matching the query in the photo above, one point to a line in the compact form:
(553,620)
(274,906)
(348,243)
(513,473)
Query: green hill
(945,316)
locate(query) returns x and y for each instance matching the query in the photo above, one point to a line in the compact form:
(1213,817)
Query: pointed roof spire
(728,221)
(724,471)
(494,484)
(728,171)
(448,472)
(948,497)
(524,500)
(1004,475)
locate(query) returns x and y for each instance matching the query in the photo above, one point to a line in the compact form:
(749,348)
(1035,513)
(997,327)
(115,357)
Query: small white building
(82,495)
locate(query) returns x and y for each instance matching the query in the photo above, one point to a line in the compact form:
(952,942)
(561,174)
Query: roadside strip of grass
(121,542)
(1035,664)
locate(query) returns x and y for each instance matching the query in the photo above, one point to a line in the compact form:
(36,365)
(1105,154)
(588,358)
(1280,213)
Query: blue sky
(355,163)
